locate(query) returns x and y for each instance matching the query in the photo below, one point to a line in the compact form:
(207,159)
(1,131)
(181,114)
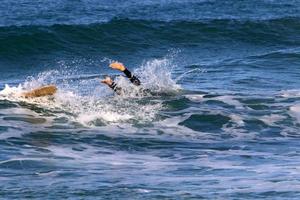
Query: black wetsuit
(133,79)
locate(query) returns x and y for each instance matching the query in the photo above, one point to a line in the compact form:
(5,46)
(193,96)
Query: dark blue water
(222,120)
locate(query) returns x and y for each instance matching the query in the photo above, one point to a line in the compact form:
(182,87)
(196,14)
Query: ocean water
(222,120)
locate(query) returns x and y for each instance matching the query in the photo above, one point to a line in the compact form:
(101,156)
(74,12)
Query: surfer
(49,90)
(119,66)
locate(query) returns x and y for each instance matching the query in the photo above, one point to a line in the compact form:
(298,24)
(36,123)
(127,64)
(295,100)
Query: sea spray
(84,100)
(156,75)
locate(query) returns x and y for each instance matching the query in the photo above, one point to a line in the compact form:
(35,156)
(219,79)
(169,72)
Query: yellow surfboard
(40,92)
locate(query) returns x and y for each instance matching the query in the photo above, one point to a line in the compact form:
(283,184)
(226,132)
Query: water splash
(43,78)
(189,72)
(85,101)
(156,75)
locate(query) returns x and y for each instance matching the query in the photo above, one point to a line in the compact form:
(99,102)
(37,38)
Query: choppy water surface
(222,120)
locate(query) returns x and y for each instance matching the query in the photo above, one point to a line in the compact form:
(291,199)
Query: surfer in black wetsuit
(119,66)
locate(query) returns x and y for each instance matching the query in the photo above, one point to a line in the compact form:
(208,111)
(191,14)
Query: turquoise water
(222,120)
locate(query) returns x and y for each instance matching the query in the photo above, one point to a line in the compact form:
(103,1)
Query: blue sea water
(222,120)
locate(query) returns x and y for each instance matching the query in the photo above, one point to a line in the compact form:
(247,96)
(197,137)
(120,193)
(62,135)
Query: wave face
(134,35)
(217,115)
(26,12)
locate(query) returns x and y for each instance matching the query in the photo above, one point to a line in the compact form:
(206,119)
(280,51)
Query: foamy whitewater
(100,106)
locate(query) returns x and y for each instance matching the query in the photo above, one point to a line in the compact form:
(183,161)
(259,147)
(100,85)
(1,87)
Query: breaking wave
(100,106)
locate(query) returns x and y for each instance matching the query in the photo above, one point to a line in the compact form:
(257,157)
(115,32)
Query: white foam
(290,93)
(196,97)
(11,91)
(230,101)
(295,112)
(237,119)
(272,119)
(88,118)
(227,99)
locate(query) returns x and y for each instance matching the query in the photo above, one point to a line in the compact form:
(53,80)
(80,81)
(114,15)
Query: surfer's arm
(133,79)
(110,83)
(119,66)
(115,88)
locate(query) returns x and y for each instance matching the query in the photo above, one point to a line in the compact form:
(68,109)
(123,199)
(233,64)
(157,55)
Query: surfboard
(40,92)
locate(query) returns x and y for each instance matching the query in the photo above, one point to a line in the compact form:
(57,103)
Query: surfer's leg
(110,83)
(40,92)
(119,66)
